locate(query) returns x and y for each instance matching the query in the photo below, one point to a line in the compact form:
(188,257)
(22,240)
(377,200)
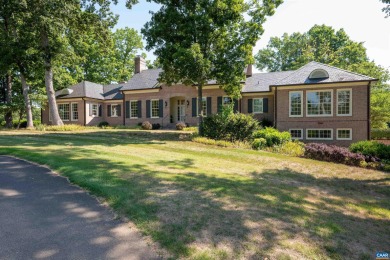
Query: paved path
(42,216)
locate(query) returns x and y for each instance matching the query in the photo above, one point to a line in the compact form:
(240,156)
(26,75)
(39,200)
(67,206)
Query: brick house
(316,103)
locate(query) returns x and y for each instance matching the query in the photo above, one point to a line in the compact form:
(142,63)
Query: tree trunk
(8,99)
(56,120)
(27,102)
(200,108)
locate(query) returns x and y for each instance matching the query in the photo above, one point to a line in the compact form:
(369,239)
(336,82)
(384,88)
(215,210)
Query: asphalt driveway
(42,216)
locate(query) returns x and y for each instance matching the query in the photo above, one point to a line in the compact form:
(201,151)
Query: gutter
(323,83)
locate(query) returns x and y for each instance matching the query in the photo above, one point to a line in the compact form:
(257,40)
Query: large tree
(386,9)
(324,44)
(198,41)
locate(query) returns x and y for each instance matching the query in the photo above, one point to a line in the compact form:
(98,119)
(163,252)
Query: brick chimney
(249,71)
(140,64)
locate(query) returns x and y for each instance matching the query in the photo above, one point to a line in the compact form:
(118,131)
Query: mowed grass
(204,202)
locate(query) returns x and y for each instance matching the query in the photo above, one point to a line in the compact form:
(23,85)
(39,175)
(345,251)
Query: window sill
(319,115)
(134,117)
(344,115)
(319,139)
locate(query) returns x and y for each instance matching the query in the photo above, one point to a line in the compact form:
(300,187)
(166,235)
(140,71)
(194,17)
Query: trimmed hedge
(380,134)
(272,136)
(337,154)
(371,148)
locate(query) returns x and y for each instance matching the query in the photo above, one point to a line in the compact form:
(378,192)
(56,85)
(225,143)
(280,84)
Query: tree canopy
(386,9)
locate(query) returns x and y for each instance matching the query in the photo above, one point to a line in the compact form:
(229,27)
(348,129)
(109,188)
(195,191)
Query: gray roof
(258,82)
(301,76)
(261,82)
(144,80)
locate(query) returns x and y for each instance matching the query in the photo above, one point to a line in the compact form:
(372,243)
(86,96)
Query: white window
(227,100)
(64,111)
(95,110)
(319,134)
(133,109)
(344,102)
(296,107)
(319,103)
(114,110)
(344,134)
(204,106)
(75,112)
(257,105)
(296,133)
(155,108)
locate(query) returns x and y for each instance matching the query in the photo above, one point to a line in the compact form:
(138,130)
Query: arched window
(319,74)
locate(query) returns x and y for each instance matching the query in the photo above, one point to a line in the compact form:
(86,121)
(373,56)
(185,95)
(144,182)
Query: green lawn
(205,202)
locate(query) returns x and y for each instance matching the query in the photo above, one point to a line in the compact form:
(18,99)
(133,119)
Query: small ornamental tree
(198,41)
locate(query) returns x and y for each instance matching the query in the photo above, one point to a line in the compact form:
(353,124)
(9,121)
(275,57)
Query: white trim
(97,109)
(58,107)
(262,106)
(141,91)
(326,129)
(300,129)
(289,103)
(151,110)
(337,134)
(331,102)
(137,109)
(350,102)
(71,111)
(323,85)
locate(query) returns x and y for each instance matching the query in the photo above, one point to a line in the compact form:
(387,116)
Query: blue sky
(363,21)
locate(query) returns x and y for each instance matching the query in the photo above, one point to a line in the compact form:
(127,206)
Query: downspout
(369,110)
(276,107)
(85,113)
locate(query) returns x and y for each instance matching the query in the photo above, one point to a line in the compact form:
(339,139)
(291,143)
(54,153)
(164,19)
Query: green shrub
(204,140)
(291,148)
(380,134)
(41,127)
(259,143)
(371,148)
(103,124)
(191,129)
(229,126)
(272,136)
(146,125)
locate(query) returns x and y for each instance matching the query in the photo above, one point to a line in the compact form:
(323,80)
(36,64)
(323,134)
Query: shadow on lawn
(254,214)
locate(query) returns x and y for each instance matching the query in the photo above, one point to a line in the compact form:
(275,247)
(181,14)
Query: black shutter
(90,109)
(194,106)
(119,110)
(161,108)
(235,106)
(208,105)
(148,108)
(127,109)
(100,109)
(250,106)
(139,107)
(219,104)
(265,105)
(109,110)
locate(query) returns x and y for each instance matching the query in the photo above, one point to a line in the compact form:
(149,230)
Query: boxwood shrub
(272,136)
(371,148)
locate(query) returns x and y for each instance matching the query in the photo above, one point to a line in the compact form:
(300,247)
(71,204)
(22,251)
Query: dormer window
(319,74)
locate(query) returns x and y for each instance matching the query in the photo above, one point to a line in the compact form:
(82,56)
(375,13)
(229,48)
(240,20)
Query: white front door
(181,110)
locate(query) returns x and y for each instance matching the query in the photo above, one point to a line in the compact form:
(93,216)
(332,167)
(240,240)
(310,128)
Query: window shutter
(119,110)
(127,109)
(109,110)
(194,106)
(219,104)
(139,106)
(100,109)
(250,106)
(208,106)
(161,108)
(265,105)
(90,109)
(235,105)
(148,108)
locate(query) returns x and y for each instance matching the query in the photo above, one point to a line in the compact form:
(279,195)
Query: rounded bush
(259,143)
(371,148)
(180,126)
(272,136)
(146,125)
(103,124)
